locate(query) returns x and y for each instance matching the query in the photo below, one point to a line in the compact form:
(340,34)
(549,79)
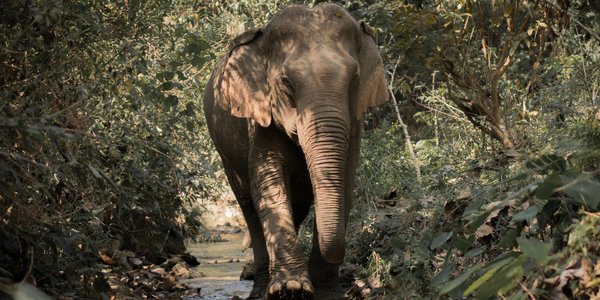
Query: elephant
(284,107)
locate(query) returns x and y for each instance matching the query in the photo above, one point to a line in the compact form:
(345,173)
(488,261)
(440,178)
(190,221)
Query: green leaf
(474,252)
(546,163)
(548,187)
(508,240)
(167,85)
(583,189)
(475,224)
(440,240)
(520,176)
(527,214)
(198,61)
(456,282)
(442,276)
(181,76)
(171,101)
(505,279)
(398,244)
(190,110)
(196,46)
(175,64)
(535,249)
(190,126)
(462,244)
(518,296)
(487,275)
(165,75)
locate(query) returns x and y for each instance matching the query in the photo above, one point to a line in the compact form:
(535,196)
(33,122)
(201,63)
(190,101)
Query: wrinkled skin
(284,108)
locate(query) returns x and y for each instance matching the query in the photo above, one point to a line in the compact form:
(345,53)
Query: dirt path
(222,263)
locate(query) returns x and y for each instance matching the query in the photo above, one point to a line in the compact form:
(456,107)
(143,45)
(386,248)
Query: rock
(464,194)
(122,259)
(191,260)
(160,271)
(171,262)
(111,245)
(248,271)
(181,270)
(136,261)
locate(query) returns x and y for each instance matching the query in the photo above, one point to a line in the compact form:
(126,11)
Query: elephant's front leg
(287,264)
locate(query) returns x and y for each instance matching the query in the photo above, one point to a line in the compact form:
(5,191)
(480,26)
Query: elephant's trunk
(323,137)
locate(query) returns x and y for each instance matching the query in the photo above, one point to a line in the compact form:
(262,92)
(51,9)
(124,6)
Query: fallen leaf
(106,259)
(484,230)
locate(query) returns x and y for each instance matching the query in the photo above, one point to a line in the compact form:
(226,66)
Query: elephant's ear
(242,85)
(372,90)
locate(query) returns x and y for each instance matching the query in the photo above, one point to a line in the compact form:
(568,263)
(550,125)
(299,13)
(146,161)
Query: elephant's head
(312,73)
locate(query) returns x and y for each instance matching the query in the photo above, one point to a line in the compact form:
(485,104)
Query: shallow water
(222,263)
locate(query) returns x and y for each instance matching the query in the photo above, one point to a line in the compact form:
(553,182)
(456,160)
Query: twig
(404,127)
(526,290)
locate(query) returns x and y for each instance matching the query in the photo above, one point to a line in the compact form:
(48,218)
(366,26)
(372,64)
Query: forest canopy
(479,178)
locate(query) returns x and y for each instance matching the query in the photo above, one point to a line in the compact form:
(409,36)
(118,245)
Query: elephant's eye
(357,73)
(288,84)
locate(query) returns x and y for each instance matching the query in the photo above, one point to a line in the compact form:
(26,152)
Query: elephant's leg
(323,275)
(240,185)
(287,264)
(261,257)
(302,197)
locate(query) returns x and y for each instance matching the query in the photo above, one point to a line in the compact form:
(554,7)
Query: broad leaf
(456,282)
(480,220)
(462,243)
(527,214)
(535,249)
(583,189)
(546,163)
(442,276)
(548,187)
(487,275)
(440,239)
(474,252)
(508,239)
(503,280)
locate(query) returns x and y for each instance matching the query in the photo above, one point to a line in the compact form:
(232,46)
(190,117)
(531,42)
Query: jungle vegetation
(480,178)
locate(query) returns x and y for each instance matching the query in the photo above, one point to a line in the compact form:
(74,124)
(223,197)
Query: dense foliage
(506,134)
(102,140)
(100,135)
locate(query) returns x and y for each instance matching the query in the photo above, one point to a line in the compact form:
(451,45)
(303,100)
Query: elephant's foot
(258,292)
(290,287)
(259,288)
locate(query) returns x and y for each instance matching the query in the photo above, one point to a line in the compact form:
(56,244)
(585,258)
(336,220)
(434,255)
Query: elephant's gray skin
(284,108)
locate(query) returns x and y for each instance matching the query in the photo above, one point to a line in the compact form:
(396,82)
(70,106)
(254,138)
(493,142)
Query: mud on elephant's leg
(324,275)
